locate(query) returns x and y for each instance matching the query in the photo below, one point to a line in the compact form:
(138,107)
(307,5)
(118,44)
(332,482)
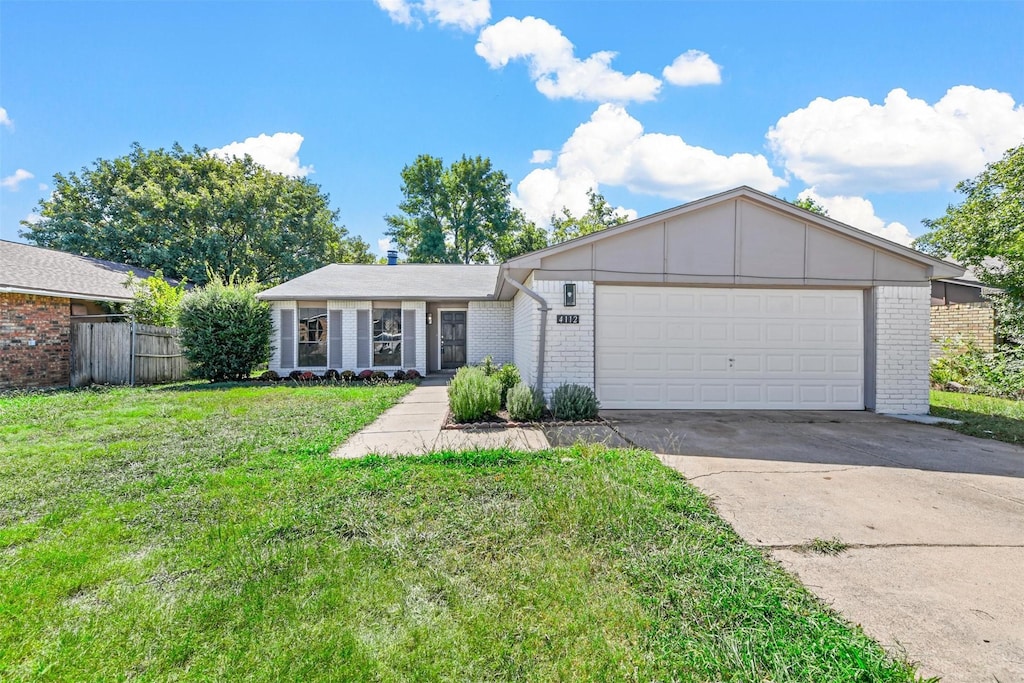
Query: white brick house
(740,300)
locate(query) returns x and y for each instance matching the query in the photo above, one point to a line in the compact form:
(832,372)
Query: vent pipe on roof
(392,257)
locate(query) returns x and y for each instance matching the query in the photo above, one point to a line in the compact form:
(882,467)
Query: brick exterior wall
(974,321)
(569,352)
(901,349)
(489,331)
(526,333)
(35,341)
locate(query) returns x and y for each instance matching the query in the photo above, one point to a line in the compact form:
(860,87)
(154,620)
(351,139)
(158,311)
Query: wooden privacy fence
(125,353)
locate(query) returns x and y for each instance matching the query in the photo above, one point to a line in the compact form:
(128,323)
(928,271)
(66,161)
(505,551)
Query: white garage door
(688,347)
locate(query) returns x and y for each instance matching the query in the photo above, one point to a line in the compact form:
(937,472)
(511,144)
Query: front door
(453,339)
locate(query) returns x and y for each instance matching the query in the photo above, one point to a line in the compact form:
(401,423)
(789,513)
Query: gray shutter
(363,339)
(287,338)
(334,339)
(409,338)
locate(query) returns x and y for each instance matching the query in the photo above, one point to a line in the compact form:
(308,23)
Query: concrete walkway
(413,427)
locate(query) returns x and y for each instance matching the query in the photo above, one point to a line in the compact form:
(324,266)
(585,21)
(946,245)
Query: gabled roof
(421,281)
(739,237)
(25,269)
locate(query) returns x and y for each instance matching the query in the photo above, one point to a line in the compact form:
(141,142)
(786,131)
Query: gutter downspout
(544,308)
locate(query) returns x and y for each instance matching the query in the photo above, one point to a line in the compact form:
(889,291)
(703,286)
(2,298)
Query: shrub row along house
(41,292)
(739,300)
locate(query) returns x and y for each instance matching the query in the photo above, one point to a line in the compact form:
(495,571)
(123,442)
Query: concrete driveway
(935,521)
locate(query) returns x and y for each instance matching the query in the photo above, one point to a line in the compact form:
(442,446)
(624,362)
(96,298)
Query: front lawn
(206,535)
(983,416)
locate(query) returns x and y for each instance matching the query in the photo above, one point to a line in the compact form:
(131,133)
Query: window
(312,337)
(387,337)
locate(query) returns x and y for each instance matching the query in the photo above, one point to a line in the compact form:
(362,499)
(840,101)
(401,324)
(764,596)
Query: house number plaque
(567,319)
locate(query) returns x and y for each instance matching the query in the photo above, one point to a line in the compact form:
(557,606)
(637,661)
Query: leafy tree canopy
(461,213)
(599,215)
(154,300)
(188,213)
(986,230)
(809,204)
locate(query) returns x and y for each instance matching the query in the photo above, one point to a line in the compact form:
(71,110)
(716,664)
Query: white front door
(692,347)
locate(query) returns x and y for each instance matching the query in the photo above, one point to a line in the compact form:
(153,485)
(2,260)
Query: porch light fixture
(430,318)
(570,294)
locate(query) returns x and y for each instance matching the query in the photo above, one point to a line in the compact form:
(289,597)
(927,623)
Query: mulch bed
(502,421)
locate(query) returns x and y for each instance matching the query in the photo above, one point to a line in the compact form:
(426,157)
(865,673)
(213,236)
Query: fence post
(131,364)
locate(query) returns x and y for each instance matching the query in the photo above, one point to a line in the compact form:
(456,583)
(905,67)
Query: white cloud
(33,218)
(13,182)
(693,67)
(5,120)
(43,187)
(541,156)
(860,213)
(613,149)
(384,245)
(851,145)
(278,153)
(554,67)
(467,15)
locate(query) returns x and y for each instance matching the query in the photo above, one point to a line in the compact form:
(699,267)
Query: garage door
(688,347)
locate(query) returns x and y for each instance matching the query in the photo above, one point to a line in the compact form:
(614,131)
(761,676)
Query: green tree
(986,232)
(456,214)
(225,329)
(523,236)
(809,204)
(154,300)
(598,216)
(188,213)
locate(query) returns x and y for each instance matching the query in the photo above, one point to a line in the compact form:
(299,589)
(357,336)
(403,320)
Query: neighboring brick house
(41,290)
(960,310)
(740,300)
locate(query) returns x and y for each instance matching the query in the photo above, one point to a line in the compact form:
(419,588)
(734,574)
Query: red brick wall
(44,320)
(968,321)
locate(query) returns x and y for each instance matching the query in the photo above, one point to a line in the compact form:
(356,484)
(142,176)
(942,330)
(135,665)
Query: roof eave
(88,296)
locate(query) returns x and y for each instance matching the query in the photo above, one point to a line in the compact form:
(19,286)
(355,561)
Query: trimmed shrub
(508,377)
(399,376)
(488,366)
(295,375)
(365,375)
(574,402)
(472,394)
(347,375)
(525,403)
(332,375)
(225,330)
(379,376)
(307,376)
(412,373)
(270,376)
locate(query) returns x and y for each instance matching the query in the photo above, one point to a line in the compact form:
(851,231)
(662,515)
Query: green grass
(206,535)
(982,416)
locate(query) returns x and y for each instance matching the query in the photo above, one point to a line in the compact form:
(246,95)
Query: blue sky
(875,109)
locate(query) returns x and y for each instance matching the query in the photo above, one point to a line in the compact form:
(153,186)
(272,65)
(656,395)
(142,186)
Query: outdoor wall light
(570,294)
(430,318)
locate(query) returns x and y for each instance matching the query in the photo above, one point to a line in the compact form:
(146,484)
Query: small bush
(525,403)
(508,377)
(332,375)
(412,373)
(963,363)
(399,376)
(225,330)
(347,375)
(365,375)
(472,394)
(574,402)
(269,376)
(307,376)
(379,376)
(295,375)
(488,366)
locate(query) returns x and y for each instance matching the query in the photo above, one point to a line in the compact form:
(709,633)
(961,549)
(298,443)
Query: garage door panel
(687,347)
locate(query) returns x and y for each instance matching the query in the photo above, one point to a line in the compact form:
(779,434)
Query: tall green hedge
(225,330)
